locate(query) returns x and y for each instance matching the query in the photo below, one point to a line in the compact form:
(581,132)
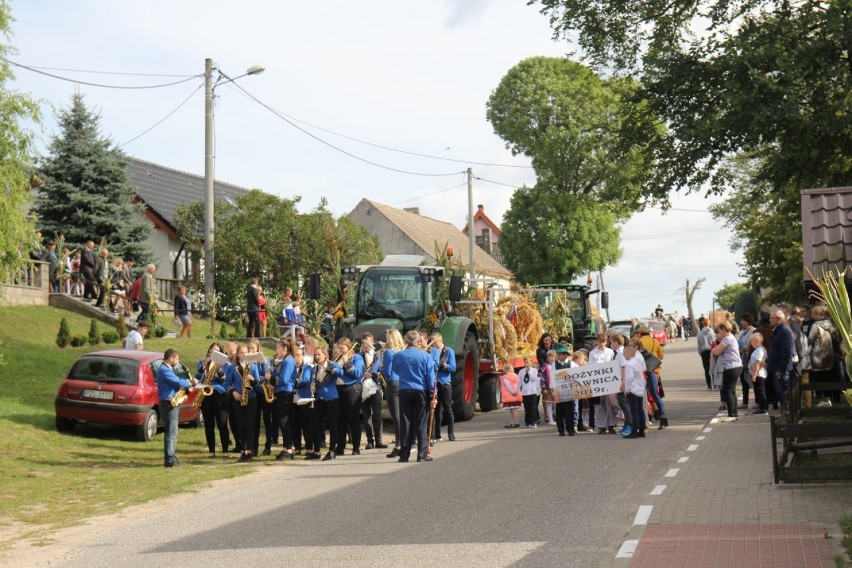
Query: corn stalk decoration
(832,292)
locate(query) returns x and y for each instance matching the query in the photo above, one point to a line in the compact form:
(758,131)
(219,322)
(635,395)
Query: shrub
(159,331)
(94,333)
(223,332)
(63,338)
(79,341)
(110,337)
(121,327)
(238,329)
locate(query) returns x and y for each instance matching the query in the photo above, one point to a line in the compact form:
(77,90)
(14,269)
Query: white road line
(714,421)
(699,438)
(692,447)
(684,459)
(658,490)
(628,547)
(672,472)
(708,429)
(643,514)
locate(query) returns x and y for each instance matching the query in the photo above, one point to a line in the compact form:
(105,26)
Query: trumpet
(339,358)
(247,388)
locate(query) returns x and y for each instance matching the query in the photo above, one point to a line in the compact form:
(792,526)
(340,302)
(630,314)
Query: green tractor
(569,308)
(399,294)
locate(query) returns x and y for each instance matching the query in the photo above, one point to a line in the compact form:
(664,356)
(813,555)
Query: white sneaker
(534,426)
(824,404)
(552,423)
(728,419)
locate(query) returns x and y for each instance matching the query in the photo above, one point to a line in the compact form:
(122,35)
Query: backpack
(134,290)
(822,347)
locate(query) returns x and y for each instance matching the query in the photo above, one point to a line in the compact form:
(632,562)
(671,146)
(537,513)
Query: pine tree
(94,333)
(121,328)
(63,338)
(86,194)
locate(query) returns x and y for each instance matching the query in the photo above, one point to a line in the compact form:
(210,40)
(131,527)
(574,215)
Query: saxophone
(247,388)
(268,388)
(179,398)
(205,390)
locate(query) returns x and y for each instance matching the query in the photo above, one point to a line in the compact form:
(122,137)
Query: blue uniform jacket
(387,366)
(445,375)
(218,382)
(354,374)
(415,369)
(285,375)
(168,382)
(303,377)
(234,380)
(328,389)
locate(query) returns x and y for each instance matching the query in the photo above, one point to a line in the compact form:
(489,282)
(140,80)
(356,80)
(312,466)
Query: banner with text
(596,379)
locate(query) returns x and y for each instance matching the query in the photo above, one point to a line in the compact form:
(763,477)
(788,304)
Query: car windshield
(106,370)
(657,326)
(179,369)
(393,293)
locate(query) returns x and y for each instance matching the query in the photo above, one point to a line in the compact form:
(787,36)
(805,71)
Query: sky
(363,86)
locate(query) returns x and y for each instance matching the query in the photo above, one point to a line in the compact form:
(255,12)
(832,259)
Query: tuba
(205,390)
(247,388)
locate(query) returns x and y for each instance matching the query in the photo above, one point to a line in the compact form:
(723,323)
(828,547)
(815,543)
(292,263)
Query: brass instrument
(205,389)
(268,391)
(344,355)
(247,388)
(179,398)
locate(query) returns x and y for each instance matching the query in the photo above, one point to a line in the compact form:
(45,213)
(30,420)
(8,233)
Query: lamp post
(209,160)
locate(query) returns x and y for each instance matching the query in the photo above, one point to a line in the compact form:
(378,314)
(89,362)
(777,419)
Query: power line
(498,183)
(702,230)
(430,194)
(126,73)
(330,145)
(390,149)
(77,81)
(164,118)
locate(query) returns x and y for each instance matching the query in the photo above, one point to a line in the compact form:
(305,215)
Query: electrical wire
(164,118)
(332,146)
(658,235)
(126,73)
(390,149)
(429,194)
(499,183)
(124,87)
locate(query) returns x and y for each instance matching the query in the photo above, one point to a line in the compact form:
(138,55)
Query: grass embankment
(51,480)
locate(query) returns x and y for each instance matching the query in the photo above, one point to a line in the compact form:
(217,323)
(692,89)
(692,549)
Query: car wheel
(65,424)
(199,420)
(146,431)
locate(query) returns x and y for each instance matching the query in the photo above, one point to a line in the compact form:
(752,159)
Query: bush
(159,331)
(79,341)
(63,338)
(94,333)
(238,329)
(121,328)
(110,337)
(223,332)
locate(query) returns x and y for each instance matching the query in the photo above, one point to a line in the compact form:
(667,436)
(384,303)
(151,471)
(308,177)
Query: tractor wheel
(466,379)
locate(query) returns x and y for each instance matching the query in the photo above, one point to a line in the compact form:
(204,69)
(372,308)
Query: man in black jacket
(253,308)
(87,270)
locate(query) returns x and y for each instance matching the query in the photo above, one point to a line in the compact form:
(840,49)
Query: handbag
(369,387)
(652,362)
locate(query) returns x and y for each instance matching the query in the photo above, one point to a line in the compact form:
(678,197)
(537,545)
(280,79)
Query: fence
(29,287)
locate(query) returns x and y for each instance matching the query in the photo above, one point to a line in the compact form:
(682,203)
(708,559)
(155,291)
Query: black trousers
(414,418)
(371,417)
(444,408)
(214,409)
(324,416)
(253,326)
(283,408)
(760,393)
(88,286)
(530,409)
(637,411)
(347,419)
(565,416)
(705,360)
(729,388)
(300,425)
(246,420)
(745,383)
(266,415)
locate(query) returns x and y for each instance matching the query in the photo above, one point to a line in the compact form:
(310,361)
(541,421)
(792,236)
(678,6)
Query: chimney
(415,210)
(481,208)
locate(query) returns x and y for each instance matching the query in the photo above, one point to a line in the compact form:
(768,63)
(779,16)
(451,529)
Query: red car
(117,387)
(658,331)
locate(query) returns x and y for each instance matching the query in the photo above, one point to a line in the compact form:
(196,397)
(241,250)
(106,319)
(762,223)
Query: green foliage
(110,337)
(79,341)
(63,338)
(121,328)
(17,227)
(571,124)
(86,194)
(239,331)
(223,332)
(746,302)
(727,295)
(94,334)
(551,237)
(159,331)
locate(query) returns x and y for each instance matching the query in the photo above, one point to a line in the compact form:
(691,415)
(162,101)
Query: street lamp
(209,195)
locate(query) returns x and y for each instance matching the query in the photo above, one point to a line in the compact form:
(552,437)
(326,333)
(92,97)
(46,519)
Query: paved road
(492,498)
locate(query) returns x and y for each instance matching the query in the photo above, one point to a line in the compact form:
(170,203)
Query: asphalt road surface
(494,497)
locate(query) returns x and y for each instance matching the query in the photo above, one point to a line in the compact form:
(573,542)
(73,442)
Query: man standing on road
(445,364)
(705,340)
(168,384)
(416,383)
(779,361)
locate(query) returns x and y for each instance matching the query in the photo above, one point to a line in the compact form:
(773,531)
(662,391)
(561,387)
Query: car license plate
(102,395)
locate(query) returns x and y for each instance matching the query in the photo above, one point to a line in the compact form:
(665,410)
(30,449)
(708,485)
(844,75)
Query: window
(106,370)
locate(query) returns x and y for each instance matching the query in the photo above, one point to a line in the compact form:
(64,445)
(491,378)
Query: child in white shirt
(605,413)
(757,372)
(633,384)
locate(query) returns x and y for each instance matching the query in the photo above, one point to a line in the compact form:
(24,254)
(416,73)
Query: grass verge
(53,480)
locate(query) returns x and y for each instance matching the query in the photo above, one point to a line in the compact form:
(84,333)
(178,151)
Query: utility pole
(470,236)
(209,195)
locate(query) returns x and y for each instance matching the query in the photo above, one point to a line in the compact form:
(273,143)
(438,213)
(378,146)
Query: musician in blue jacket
(168,383)
(214,408)
(244,407)
(445,364)
(348,368)
(283,377)
(371,408)
(326,406)
(416,383)
(300,413)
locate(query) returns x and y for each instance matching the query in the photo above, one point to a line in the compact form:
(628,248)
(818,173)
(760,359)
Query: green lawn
(53,480)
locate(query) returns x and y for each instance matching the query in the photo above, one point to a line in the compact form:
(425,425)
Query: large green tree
(550,237)
(17,230)
(766,79)
(86,194)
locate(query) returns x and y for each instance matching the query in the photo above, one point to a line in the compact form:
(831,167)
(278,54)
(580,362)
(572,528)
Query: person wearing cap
(564,408)
(134,338)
